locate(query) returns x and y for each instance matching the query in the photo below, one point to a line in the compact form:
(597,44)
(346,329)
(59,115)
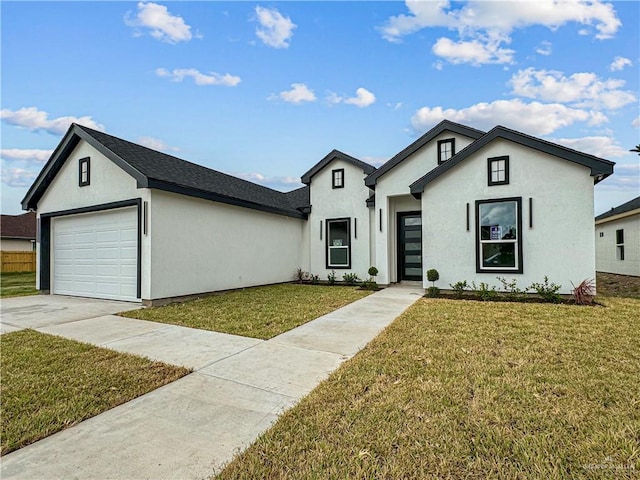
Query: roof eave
(216,197)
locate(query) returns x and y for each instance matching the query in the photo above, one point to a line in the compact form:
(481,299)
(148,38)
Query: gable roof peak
(443,126)
(330,157)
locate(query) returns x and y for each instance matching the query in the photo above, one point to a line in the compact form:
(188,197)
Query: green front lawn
(259,312)
(464,389)
(50,383)
(17,284)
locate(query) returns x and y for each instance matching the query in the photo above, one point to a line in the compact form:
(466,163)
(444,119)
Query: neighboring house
(618,239)
(121,221)
(18,232)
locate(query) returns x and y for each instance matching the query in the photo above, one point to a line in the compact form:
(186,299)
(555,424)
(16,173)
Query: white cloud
(37,120)
(475,52)
(163,25)
(544,48)
(619,63)
(156,144)
(212,78)
(275,182)
(19,154)
(580,89)
(534,118)
(375,161)
(363,98)
(18,177)
(636,122)
(600,146)
(299,93)
(274,30)
(484,26)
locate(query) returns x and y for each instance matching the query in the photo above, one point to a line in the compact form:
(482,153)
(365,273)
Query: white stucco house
(121,221)
(618,239)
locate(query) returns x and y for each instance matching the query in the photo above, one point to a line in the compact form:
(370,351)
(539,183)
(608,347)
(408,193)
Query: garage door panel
(96,254)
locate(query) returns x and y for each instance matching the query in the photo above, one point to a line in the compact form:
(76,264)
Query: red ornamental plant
(584,292)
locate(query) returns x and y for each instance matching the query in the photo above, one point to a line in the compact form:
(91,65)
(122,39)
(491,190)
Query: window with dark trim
(446,149)
(499,235)
(339,243)
(84,172)
(498,170)
(337,178)
(620,244)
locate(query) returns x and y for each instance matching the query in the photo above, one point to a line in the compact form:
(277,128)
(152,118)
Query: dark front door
(410,246)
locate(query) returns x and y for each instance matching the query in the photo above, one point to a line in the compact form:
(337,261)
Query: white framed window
(339,243)
(446,149)
(498,235)
(337,178)
(498,170)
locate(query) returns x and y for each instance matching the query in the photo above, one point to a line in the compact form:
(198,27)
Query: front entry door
(410,246)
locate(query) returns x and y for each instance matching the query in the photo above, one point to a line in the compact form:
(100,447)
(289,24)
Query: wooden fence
(18,261)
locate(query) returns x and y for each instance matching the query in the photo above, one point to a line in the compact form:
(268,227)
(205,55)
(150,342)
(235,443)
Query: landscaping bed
(471,390)
(51,383)
(258,312)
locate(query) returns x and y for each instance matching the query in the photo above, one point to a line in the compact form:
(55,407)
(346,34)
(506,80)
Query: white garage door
(96,254)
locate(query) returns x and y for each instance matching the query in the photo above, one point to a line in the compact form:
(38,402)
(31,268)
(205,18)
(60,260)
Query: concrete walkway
(190,428)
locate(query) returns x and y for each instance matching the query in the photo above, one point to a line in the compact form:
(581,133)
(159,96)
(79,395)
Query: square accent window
(84,172)
(498,170)
(446,149)
(498,236)
(337,178)
(620,244)
(339,243)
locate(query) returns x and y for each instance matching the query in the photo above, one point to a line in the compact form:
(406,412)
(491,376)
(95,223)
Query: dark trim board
(45,237)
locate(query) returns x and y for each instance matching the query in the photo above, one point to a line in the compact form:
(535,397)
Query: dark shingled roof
(625,207)
(153,169)
(18,226)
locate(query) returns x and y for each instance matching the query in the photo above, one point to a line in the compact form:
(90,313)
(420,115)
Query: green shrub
(433,292)
(459,288)
(350,278)
(373,271)
(547,291)
(331,277)
(485,292)
(511,290)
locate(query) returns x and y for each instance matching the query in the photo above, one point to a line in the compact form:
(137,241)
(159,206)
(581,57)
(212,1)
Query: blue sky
(263,90)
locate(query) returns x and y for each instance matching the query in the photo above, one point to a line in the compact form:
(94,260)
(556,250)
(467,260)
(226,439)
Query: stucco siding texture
(201,246)
(607,252)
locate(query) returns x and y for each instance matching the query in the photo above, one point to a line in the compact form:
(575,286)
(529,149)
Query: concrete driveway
(35,311)
(190,428)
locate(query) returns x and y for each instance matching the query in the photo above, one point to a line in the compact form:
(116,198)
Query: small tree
(433,276)
(373,272)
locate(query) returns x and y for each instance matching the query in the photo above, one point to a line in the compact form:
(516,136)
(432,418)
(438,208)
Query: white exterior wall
(109,183)
(561,242)
(202,246)
(330,203)
(16,245)
(393,196)
(606,247)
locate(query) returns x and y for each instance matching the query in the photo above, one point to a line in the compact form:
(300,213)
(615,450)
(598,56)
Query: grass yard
(259,312)
(464,389)
(17,284)
(50,383)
